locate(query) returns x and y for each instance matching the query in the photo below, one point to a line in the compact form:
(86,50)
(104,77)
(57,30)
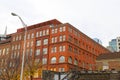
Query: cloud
(96,18)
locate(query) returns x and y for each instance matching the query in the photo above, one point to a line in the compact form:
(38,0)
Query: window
(40,33)
(18,46)
(61,69)
(43,32)
(61,29)
(44,61)
(47,32)
(62,48)
(64,28)
(53,49)
(28,36)
(37,52)
(54,39)
(10,64)
(38,42)
(53,60)
(31,43)
(37,34)
(70,60)
(105,65)
(28,44)
(118,40)
(27,52)
(7,50)
(44,50)
(37,61)
(31,51)
(16,38)
(15,54)
(32,35)
(54,30)
(75,62)
(12,55)
(4,51)
(18,54)
(70,30)
(75,32)
(12,47)
(45,42)
(70,38)
(61,59)
(20,37)
(75,50)
(70,48)
(62,38)
(75,41)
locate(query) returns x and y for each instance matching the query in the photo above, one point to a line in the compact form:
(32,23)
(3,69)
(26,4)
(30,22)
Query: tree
(9,69)
(32,66)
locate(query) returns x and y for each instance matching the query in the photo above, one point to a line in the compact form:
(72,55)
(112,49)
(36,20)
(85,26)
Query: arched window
(75,62)
(53,60)
(70,59)
(61,59)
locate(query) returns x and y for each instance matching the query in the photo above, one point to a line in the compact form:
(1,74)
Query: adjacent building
(108,62)
(118,44)
(58,46)
(113,45)
(98,40)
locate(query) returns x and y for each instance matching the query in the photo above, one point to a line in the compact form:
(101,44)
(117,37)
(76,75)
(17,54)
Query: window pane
(53,60)
(37,52)
(37,34)
(44,50)
(43,32)
(40,33)
(44,61)
(38,42)
(32,35)
(61,59)
(69,60)
(45,41)
(53,49)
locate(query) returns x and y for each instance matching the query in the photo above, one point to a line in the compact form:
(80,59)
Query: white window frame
(45,50)
(62,59)
(45,41)
(38,43)
(53,60)
(37,52)
(54,49)
(44,61)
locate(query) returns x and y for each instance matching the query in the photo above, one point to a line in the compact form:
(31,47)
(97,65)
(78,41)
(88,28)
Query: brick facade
(60,47)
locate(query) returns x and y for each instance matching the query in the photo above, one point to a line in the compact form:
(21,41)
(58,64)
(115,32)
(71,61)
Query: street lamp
(24,46)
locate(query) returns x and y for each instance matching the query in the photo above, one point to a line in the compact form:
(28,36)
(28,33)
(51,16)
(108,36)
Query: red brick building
(59,46)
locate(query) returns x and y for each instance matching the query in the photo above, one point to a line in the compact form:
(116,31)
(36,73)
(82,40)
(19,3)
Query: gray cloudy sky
(95,18)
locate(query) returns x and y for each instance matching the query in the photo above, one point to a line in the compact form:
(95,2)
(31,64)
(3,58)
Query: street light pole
(24,46)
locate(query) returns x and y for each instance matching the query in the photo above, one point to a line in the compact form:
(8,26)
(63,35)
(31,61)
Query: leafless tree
(9,69)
